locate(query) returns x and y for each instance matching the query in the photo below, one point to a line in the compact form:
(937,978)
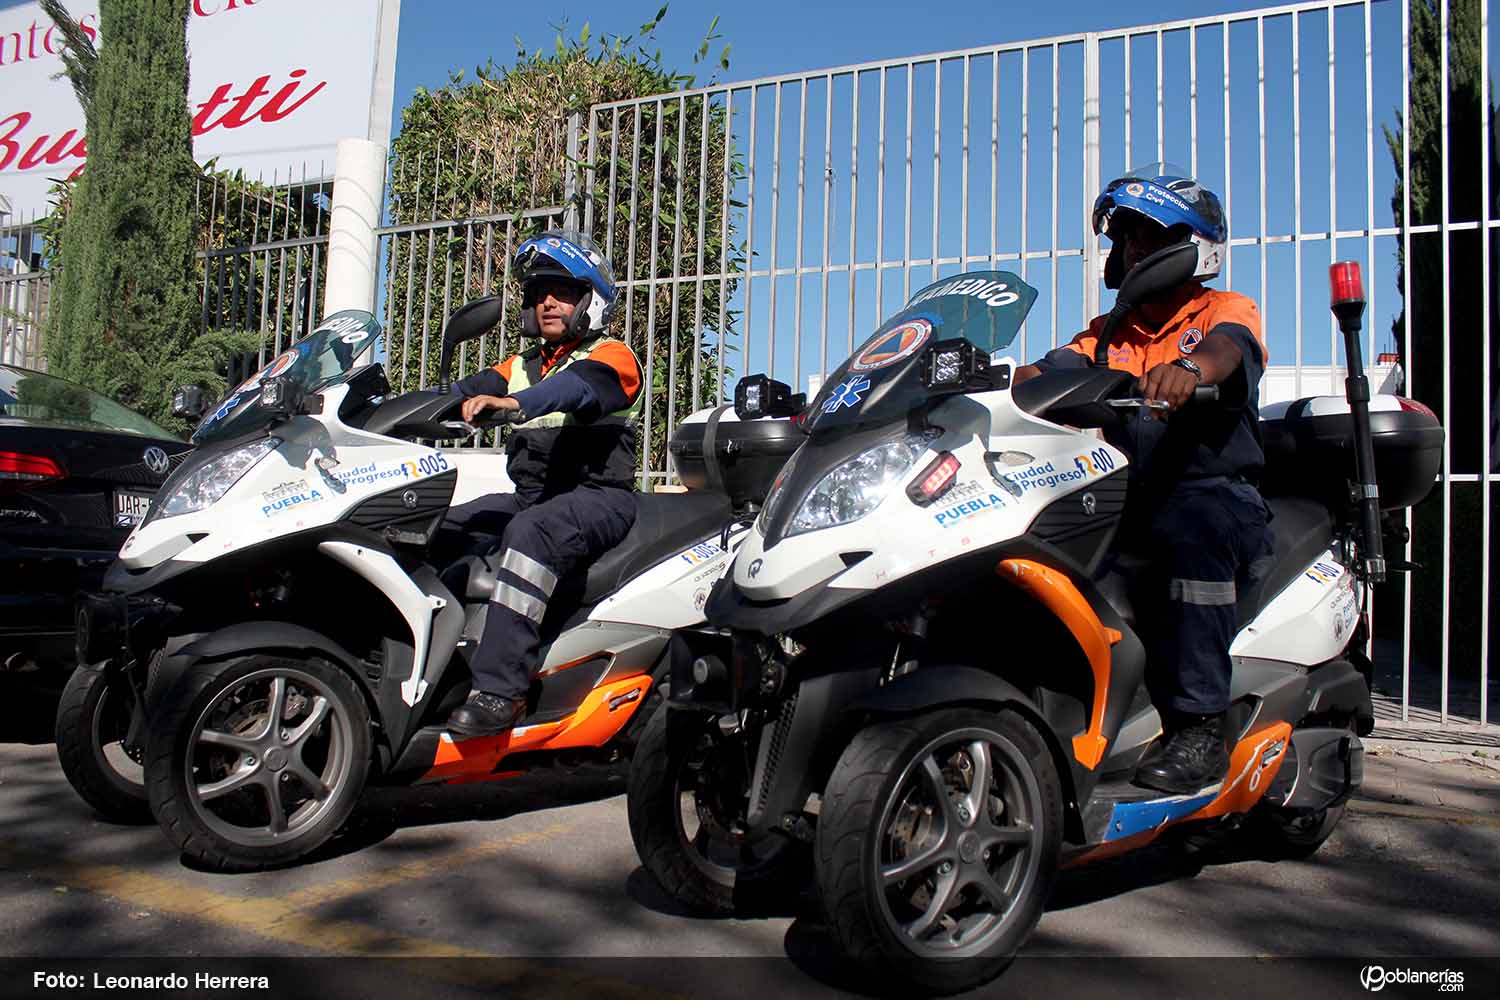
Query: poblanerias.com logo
(1377,977)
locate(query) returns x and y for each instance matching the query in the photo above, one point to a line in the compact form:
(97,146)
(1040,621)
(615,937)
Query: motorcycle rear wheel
(93,718)
(1290,835)
(256,761)
(685,802)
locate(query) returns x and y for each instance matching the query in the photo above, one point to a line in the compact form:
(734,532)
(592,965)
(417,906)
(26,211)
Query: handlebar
(496,418)
(1202,394)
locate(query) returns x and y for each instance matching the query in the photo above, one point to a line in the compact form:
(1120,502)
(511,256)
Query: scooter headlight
(856,487)
(204,485)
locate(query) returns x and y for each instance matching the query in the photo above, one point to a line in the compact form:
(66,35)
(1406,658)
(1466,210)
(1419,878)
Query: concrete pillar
(353,246)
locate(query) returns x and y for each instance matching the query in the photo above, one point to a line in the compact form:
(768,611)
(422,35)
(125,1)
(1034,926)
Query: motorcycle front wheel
(938,844)
(688,792)
(256,761)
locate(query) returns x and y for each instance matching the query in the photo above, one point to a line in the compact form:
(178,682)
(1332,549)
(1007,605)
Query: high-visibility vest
(556,451)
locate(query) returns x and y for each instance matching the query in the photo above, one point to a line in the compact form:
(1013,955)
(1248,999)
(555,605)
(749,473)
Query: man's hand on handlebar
(475,405)
(1169,384)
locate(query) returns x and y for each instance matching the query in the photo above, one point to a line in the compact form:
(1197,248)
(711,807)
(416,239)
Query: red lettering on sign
(215,101)
(61,150)
(8,145)
(243,110)
(272,110)
(239,114)
(257,103)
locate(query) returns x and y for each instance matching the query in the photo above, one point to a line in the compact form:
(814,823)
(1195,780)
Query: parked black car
(77,470)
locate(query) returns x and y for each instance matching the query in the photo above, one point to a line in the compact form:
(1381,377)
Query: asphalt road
(542,868)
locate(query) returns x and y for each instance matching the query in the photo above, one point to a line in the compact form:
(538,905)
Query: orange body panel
(594,724)
(1253,767)
(1058,594)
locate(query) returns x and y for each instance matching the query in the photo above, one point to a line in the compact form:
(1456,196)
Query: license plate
(130,508)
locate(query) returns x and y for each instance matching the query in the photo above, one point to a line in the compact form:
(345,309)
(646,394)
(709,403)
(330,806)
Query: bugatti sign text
(267,94)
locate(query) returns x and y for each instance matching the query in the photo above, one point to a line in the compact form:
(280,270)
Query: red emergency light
(1345,286)
(1346,293)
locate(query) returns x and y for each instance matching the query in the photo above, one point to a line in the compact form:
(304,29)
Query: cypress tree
(125,307)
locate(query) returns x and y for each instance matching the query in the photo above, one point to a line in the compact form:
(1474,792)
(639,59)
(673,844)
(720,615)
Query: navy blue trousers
(539,543)
(1210,541)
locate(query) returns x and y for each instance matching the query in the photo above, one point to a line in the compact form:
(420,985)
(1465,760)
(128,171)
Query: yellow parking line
(441,861)
(286,919)
(273,918)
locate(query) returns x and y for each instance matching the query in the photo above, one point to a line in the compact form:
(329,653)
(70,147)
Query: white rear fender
(1309,622)
(672,593)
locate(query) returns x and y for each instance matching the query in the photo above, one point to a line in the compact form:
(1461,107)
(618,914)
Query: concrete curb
(1483,756)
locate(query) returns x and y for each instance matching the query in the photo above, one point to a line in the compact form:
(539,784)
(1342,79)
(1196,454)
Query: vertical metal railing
(24,290)
(263,256)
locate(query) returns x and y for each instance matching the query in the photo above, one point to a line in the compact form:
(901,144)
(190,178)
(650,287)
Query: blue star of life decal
(847,394)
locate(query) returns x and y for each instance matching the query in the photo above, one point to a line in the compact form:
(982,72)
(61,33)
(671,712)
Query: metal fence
(435,256)
(848,188)
(24,290)
(263,256)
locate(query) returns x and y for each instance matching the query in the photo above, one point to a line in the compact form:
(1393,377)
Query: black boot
(1193,758)
(485,714)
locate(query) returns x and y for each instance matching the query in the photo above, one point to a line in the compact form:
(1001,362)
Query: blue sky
(766,37)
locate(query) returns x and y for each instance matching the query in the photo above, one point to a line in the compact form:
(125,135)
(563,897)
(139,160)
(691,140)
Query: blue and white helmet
(1167,196)
(567,255)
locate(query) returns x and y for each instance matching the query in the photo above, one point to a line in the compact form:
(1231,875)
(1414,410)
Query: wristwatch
(1190,365)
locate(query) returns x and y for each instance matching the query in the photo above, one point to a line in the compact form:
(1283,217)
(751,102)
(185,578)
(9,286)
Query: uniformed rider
(1194,507)
(572,457)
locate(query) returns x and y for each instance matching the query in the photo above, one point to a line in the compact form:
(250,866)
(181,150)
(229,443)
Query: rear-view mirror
(1162,271)
(469,321)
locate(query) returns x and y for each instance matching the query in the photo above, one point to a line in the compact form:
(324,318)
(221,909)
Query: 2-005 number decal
(431,465)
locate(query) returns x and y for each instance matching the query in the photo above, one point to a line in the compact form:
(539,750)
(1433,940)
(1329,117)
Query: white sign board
(273,86)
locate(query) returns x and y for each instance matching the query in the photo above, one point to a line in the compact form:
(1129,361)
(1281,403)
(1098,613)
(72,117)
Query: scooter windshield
(882,380)
(321,357)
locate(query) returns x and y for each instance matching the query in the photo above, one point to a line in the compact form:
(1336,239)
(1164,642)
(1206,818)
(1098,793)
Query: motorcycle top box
(1310,442)
(741,456)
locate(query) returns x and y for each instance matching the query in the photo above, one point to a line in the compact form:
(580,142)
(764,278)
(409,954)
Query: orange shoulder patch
(1231,307)
(622,360)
